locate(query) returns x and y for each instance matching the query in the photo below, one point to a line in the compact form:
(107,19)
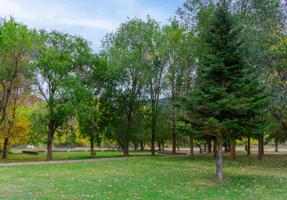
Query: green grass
(20,157)
(157,177)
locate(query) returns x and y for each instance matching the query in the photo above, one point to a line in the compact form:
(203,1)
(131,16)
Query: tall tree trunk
(142,146)
(126,145)
(276,144)
(5,102)
(92,149)
(159,146)
(153,130)
(163,145)
(233,149)
(260,147)
(248,146)
(5,148)
(209,146)
(6,139)
(173,131)
(50,141)
(173,142)
(126,135)
(173,98)
(191,145)
(219,158)
(153,144)
(214,148)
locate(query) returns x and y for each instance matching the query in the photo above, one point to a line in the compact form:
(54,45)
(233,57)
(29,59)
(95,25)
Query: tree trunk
(248,145)
(126,145)
(6,140)
(174,143)
(209,146)
(260,147)
(159,146)
(233,149)
(5,148)
(219,158)
(225,146)
(49,148)
(200,150)
(153,144)
(214,148)
(92,149)
(50,141)
(153,130)
(136,146)
(142,146)
(276,144)
(204,147)
(5,102)
(191,145)
(173,98)
(127,132)
(163,145)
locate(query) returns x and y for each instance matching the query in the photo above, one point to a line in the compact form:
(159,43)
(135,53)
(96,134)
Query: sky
(91,19)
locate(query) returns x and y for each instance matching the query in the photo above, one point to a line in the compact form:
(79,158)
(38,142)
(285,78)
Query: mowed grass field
(158,177)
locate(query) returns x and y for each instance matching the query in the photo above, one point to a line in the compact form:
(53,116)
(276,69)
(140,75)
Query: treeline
(215,74)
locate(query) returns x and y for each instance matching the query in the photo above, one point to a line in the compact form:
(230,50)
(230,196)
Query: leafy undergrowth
(149,178)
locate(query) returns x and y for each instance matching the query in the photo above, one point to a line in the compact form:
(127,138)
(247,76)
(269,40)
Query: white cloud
(89,18)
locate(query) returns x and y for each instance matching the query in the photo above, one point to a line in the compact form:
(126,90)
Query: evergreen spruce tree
(227,94)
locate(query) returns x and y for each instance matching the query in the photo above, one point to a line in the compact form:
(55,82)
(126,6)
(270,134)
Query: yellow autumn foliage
(18,132)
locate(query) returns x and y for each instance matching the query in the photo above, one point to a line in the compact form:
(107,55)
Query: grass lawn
(157,177)
(19,157)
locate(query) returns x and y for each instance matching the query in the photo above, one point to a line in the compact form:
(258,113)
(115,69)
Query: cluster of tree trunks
(218,153)
(161,145)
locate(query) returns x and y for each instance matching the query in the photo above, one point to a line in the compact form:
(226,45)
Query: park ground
(145,177)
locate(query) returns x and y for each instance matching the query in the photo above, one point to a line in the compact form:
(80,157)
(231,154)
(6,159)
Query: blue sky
(91,19)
